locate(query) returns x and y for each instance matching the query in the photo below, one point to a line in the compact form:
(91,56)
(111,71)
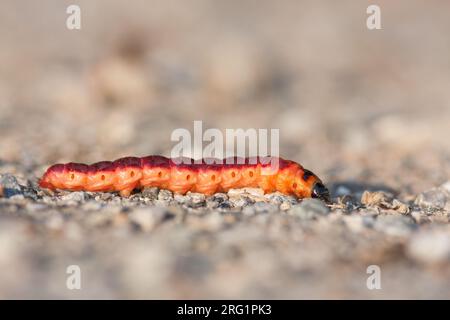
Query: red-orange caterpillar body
(126,174)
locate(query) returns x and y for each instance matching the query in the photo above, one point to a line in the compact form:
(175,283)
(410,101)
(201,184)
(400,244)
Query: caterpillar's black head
(319,191)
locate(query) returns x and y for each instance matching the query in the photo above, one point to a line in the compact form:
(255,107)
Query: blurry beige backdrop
(354,98)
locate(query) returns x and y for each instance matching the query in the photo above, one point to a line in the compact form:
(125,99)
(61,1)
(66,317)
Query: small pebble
(310,209)
(430,247)
(434,199)
(55,222)
(358,223)
(395,225)
(446,186)
(342,191)
(263,207)
(285,206)
(165,195)
(9,186)
(383,200)
(73,198)
(253,194)
(196,200)
(151,193)
(147,218)
(240,202)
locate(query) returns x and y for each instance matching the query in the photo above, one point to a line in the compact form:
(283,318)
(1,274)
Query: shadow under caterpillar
(208,177)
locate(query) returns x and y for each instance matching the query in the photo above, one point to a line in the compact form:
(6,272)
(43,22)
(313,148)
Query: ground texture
(241,244)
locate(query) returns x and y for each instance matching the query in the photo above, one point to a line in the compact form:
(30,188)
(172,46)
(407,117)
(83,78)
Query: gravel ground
(242,244)
(367,111)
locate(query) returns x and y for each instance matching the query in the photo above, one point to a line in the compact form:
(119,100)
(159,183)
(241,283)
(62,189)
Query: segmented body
(126,174)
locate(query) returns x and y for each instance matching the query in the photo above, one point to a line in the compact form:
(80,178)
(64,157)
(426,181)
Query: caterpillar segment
(182,175)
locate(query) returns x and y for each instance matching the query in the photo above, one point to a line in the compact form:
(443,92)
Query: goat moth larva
(208,177)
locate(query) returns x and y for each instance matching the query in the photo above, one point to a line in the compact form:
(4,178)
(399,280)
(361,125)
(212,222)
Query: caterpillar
(180,176)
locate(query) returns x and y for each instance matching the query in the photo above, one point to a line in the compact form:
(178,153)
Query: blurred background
(349,102)
(352,104)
